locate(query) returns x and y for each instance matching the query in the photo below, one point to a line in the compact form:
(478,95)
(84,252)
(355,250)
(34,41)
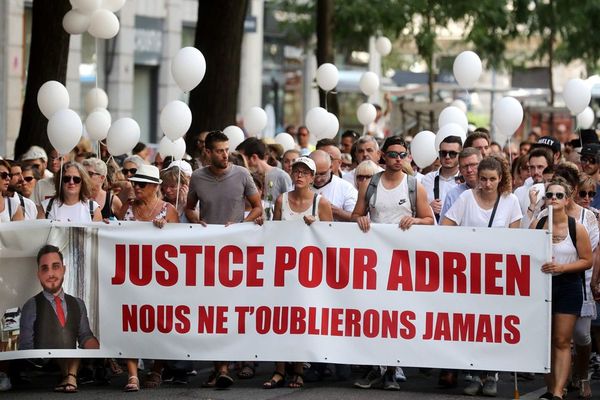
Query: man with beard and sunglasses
(55,320)
(14,190)
(438,183)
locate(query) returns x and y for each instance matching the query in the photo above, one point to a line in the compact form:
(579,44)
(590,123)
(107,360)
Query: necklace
(146,217)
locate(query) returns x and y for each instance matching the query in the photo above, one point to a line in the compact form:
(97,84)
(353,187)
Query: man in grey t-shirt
(276,181)
(221,188)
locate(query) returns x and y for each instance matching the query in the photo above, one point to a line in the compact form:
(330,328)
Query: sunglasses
(4,176)
(583,193)
(451,154)
(558,195)
(396,154)
(128,171)
(68,178)
(588,160)
(28,178)
(363,177)
(36,166)
(141,185)
(90,173)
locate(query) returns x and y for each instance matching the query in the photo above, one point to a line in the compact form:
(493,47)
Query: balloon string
(326,93)
(62,160)
(96,57)
(178,186)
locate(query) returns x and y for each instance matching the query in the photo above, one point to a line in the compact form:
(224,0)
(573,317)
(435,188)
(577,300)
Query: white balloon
(235,135)
(103,24)
(64,130)
(450,129)
(175,149)
(188,68)
(95,98)
(366,113)
(508,115)
(458,103)
(104,111)
(317,120)
(331,128)
(467,69)
(286,141)
(327,76)
(577,95)
(453,114)
(86,6)
(97,125)
(255,120)
(383,45)
(175,119)
(585,119)
(52,96)
(122,136)
(75,22)
(422,149)
(369,83)
(113,5)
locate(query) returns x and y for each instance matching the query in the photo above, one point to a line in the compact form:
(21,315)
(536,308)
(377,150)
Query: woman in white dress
(72,202)
(299,204)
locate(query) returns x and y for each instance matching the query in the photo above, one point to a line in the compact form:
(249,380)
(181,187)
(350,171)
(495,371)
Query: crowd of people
(359,179)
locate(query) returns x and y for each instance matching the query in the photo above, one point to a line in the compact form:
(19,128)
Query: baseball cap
(306,161)
(590,149)
(550,142)
(34,153)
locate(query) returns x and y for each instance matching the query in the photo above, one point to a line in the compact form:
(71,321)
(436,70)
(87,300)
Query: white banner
(448,297)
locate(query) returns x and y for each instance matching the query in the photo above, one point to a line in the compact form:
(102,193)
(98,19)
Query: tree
(219,33)
(47,61)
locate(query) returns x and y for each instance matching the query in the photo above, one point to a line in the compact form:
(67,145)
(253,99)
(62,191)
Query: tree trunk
(48,57)
(219,33)
(551,53)
(325,49)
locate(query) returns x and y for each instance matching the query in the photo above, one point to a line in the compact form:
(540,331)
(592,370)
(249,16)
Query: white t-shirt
(30,209)
(339,193)
(350,177)
(466,212)
(14,205)
(44,189)
(389,206)
(78,212)
(445,185)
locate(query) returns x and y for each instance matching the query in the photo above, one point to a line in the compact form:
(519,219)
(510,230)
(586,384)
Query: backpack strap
(436,192)
(372,188)
(22,201)
(491,221)
(314,207)
(411,182)
(541,222)
(9,208)
(49,207)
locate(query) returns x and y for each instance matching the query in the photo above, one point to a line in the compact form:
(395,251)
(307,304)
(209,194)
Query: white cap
(34,153)
(183,166)
(306,161)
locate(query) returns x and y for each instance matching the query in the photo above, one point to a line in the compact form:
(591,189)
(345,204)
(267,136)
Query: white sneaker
(4,382)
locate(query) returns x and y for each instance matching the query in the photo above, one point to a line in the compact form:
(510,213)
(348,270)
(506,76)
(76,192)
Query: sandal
(153,380)
(274,383)
(585,391)
(133,384)
(66,386)
(297,381)
(211,382)
(223,380)
(246,372)
(114,366)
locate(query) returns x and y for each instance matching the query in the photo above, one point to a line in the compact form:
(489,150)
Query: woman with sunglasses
(146,207)
(364,171)
(300,204)
(108,202)
(10,209)
(130,166)
(72,202)
(490,204)
(570,256)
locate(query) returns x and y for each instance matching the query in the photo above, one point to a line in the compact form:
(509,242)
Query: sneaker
(468,377)
(371,378)
(389,381)
(4,382)
(490,387)
(400,377)
(473,388)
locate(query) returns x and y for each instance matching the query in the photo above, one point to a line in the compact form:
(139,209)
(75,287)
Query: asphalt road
(418,386)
